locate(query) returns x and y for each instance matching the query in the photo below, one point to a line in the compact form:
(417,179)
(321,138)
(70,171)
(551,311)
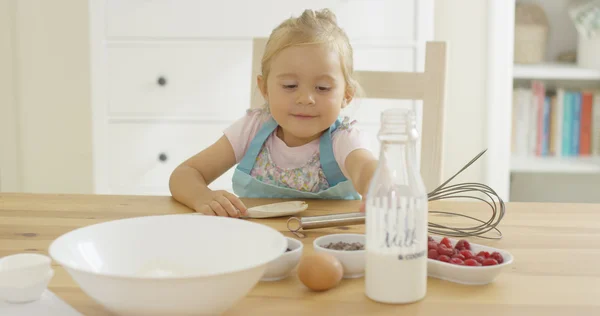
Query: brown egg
(320,271)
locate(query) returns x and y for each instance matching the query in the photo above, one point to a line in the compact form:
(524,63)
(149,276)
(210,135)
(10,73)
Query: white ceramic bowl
(20,270)
(26,292)
(353,261)
(169,264)
(469,275)
(282,266)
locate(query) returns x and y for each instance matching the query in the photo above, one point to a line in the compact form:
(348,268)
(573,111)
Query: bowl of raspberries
(463,262)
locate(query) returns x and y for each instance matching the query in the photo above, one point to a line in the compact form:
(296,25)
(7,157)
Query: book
(556,109)
(596,124)
(576,123)
(555,121)
(539,97)
(585,130)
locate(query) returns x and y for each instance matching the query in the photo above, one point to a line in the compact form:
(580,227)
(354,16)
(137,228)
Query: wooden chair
(428,86)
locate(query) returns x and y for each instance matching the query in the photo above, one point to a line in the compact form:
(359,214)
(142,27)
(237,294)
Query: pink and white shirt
(345,140)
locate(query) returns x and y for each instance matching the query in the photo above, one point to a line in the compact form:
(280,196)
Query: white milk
(390,280)
(396,216)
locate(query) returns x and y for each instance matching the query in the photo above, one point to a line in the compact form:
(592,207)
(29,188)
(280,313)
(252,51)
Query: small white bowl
(22,269)
(353,261)
(25,293)
(282,266)
(468,275)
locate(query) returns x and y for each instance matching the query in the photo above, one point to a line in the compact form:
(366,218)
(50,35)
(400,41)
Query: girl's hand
(221,203)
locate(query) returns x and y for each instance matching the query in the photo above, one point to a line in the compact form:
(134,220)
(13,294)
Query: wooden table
(556,247)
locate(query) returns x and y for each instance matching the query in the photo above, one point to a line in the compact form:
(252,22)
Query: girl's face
(306,91)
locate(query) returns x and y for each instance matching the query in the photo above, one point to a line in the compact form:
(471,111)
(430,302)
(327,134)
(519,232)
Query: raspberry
(497,256)
(479,259)
(484,254)
(456,251)
(446,242)
(490,262)
(457,261)
(461,257)
(444,258)
(467,253)
(432,245)
(472,262)
(463,245)
(443,250)
(433,254)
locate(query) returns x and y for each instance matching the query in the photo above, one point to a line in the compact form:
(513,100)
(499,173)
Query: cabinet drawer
(208,79)
(142,156)
(257,18)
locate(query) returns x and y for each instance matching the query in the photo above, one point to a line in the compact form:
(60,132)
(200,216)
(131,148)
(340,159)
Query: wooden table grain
(556,247)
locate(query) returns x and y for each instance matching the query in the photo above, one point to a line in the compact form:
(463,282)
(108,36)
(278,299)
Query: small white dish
(26,292)
(277,209)
(469,275)
(22,269)
(353,261)
(282,266)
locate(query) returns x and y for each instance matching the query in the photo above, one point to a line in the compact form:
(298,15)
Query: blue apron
(244,185)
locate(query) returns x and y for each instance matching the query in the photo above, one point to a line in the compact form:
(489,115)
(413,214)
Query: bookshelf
(575,160)
(562,74)
(543,177)
(563,165)
(531,177)
(555,75)
(555,71)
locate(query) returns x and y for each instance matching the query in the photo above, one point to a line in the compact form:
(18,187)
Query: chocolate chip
(341,245)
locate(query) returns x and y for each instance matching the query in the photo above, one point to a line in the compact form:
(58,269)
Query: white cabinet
(178,79)
(143,155)
(169,76)
(246,19)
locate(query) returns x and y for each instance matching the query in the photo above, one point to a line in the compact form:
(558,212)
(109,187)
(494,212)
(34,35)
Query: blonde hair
(312,27)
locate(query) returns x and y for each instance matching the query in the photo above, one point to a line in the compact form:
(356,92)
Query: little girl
(297,146)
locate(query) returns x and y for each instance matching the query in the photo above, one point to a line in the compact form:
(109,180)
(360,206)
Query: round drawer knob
(162,81)
(162,157)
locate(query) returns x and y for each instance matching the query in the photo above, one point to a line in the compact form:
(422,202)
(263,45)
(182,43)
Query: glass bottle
(396,216)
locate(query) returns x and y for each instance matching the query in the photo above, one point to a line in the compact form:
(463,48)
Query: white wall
(9,166)
(51,84)
(466,34)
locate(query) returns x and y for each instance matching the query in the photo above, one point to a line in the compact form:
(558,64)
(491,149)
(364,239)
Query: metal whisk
(461,191)
(443,192)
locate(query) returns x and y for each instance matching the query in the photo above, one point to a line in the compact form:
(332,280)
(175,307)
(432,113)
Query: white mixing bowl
(170,264)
